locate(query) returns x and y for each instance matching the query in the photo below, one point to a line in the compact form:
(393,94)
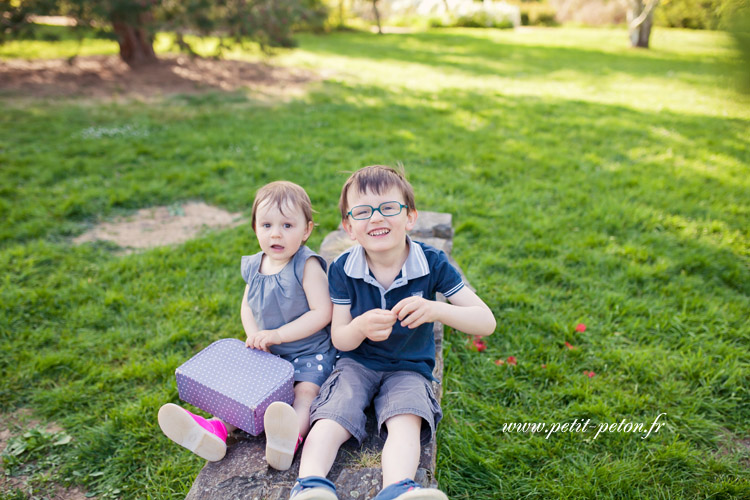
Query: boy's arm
(466,312)
(315,284)
(347,333)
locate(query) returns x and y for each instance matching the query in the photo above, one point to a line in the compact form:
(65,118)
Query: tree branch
(643,15)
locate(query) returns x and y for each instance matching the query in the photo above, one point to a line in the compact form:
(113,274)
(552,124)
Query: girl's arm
(248,321)
(315,284)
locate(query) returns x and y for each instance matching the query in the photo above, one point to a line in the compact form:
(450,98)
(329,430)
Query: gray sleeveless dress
(277,299)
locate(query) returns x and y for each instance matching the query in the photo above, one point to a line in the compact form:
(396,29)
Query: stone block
(243,473)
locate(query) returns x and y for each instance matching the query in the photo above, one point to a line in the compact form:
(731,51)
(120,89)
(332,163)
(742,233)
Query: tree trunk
(136,47)
(640,21)
(377,16)
(640,36)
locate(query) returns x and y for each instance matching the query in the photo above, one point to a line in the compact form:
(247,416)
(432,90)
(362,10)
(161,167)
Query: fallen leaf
(479,345)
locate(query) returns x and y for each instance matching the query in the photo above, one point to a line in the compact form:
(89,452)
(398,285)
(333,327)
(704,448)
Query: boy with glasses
(383,294)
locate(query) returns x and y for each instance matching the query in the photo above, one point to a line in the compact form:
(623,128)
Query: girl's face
(281,232)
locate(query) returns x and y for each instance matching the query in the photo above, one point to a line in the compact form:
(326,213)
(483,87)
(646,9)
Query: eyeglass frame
(401,208)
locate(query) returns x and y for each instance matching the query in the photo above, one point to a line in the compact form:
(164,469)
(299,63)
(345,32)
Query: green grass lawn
(589,182)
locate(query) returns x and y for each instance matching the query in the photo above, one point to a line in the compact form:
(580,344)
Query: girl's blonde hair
(283,193)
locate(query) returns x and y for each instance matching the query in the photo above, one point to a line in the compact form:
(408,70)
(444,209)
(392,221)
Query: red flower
(479,344)
(589,374)
(570,346)
(580,327)
(512,360)
(499,362)
(544,366)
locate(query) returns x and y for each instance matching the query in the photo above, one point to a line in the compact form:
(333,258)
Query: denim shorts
(352,387)
(314,367)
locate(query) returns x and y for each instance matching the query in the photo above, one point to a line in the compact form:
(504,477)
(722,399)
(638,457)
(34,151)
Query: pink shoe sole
(282,431)
(180,427)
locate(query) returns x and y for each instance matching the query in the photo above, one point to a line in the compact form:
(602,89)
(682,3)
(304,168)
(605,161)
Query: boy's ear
(348,228)
(411,219)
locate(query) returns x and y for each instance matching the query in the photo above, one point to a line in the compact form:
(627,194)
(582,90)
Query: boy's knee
(329,428)
(405,423)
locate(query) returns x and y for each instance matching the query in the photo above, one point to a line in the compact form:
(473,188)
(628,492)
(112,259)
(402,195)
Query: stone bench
(244,474)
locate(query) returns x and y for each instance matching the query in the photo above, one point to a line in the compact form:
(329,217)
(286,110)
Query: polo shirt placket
(416,266)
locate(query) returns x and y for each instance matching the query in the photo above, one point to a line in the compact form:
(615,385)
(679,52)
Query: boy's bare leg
(402,448)
(304,393)
(322,445)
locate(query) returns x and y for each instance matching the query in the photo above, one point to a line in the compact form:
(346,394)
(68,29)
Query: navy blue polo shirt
(425,272)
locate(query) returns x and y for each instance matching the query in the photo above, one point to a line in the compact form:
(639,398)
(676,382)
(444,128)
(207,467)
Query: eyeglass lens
(387,209)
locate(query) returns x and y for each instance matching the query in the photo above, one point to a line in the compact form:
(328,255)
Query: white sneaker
(282,434)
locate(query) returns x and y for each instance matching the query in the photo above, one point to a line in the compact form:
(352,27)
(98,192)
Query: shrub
(444,13)
(693,14)
(590,12)
(538,14)
(482,19)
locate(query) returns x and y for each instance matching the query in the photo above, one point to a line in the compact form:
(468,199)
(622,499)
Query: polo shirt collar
(415,266)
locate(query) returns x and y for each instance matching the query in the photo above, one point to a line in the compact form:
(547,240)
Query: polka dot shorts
(314,367)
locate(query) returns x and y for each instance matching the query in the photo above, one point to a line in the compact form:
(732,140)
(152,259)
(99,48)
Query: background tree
(640,21)
(135,22)
(377,16)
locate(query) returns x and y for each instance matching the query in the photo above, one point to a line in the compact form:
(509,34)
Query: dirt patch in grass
(731,444)
(158,226)
(105,77)
(15,424)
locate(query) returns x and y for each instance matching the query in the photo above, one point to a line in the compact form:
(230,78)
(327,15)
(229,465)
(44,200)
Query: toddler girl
(286,310)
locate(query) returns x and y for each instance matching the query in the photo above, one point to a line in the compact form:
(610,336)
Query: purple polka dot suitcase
(234,383)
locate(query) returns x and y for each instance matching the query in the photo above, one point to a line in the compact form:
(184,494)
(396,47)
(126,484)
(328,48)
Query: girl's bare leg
(304,393)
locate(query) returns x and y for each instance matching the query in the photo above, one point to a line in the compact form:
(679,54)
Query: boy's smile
(380,235)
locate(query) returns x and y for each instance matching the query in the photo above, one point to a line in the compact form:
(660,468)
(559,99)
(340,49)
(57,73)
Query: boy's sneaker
(282,435)
(205,438)
(409,490)
(313,488)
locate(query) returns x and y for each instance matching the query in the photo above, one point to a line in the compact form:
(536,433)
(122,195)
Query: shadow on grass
(481,56)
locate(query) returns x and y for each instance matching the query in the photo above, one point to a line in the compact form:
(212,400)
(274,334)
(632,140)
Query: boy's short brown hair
(376,179)
(283,193)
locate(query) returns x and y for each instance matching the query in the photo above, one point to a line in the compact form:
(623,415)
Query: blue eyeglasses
(386,209)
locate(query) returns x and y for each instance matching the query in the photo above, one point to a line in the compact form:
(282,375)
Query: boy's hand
(415,311)
(376,324)
(263,339)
